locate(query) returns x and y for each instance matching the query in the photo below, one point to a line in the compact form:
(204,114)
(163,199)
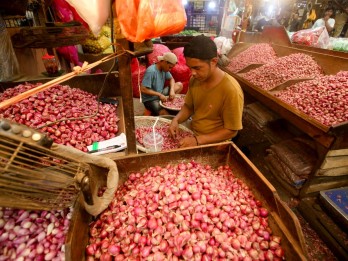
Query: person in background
(295,23)
(152,87)
(326,21)
(214,100)
(261,23)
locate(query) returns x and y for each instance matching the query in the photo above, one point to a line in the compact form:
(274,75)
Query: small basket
(34,177)
(149,121)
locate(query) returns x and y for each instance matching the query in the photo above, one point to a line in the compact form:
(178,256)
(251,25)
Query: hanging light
(212,5)
(184,2)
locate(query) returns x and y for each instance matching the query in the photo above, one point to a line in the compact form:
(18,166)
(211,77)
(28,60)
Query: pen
(104,149)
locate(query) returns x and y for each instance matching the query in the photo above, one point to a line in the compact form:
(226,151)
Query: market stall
(270,229)
(276,89)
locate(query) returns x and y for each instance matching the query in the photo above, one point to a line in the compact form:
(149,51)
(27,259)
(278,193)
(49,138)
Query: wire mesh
(33,177)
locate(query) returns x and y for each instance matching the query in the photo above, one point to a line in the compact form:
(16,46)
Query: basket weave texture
(149,121)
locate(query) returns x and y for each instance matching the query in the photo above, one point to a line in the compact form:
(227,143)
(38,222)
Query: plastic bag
(9,66)
(94,12)
(317,37)
(146,19)
(138,71)
(158,50)
(181,72)
(223,44)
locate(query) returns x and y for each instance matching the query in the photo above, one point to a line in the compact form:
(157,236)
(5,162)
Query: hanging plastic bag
(94,12)
(146,19)
(317,37)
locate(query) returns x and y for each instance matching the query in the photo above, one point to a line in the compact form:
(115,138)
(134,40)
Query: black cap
(201,47)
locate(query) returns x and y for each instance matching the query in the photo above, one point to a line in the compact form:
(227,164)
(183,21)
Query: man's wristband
(196,140)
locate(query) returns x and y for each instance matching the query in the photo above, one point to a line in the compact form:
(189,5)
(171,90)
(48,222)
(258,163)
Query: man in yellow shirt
(214,100)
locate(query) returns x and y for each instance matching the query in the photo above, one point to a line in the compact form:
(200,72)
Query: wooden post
(125,79)
(125,82)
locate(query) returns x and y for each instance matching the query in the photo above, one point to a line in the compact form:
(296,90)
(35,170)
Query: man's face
(168,66)
(200,69)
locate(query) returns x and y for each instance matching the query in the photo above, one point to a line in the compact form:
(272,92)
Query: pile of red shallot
(324,98)
(291,67)
(169,143)
(256,54)
(176,103)
(62,102)
(187,211)
(33,235)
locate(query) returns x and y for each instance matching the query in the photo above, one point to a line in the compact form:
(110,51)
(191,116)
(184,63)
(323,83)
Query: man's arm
(151,92)
(216,136)
(171,88)
(328,26)
(182,116)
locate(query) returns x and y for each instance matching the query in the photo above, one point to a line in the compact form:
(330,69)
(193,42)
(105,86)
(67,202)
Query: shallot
(218,221)
(168,142)
(324,98)
(33,235)
(294,66)
(57,106)
(261,53)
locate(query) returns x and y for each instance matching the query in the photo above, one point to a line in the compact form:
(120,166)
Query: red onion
(153,220)
(256,54)
(294,66)
(63,102)
(323,98)
(44,242)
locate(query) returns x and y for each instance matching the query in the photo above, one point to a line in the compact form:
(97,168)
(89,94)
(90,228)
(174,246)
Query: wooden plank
(77,236)
(313,128)
(341,152)
(333,172)
(337,183)
(127,95)
(334,162)
(328,230)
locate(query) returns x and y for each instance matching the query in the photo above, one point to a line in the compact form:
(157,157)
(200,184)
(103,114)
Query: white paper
(120,140)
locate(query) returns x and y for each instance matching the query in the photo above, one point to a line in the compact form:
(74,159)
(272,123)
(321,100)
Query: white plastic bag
(223,44)
(94,12)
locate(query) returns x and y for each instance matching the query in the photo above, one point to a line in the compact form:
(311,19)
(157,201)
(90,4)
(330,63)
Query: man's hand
(188,142)
(163,98)
(171,94)
(174,129)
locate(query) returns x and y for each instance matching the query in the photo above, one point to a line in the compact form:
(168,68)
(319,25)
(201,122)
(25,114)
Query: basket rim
(153,118)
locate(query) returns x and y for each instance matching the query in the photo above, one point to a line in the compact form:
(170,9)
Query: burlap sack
(104,172)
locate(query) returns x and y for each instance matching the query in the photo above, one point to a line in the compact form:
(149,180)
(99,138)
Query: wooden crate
(282,220)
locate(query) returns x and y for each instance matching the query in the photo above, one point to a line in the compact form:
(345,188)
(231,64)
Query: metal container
(282,220)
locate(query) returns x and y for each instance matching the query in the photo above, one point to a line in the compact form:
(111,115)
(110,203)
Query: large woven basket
(149,121)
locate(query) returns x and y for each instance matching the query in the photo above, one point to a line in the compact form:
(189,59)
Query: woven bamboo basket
(149,121)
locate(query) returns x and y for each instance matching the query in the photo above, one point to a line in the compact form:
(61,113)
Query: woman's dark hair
(330,8)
